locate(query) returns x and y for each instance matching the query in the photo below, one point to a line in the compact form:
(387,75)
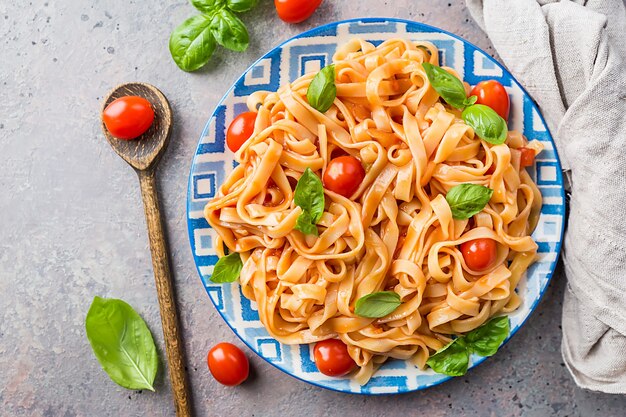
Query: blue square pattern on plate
(311,51)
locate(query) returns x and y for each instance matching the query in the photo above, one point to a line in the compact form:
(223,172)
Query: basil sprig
(487,124)
(122,343)
(453,359)
(449,87)
(227,269)
(309,196)
(378,304)
(465,200)
(322,90)
(194,41)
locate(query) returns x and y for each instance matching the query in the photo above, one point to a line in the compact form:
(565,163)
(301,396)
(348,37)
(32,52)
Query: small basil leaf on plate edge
(227,268)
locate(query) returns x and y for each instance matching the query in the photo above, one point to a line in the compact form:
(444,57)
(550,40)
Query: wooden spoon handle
(167,304)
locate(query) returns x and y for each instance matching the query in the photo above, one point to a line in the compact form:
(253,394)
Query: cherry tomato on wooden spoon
(332,358)
(240,130)
(128,117)
(343,175)
(296,11)
(527,158)
(479,254)
(493,94)
(228,364)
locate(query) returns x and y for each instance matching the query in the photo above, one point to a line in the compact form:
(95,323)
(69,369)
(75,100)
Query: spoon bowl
(145,151)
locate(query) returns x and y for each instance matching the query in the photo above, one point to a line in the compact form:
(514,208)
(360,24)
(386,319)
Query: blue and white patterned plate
(309,52)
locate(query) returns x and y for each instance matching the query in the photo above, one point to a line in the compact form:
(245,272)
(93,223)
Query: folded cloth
(571,57)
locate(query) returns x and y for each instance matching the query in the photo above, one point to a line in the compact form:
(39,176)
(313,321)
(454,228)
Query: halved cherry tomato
(296,11)
(228,364)
(240,130)
(491,93)
(332,358)
(128,117)
(479,254)
(343,175)
(527,158)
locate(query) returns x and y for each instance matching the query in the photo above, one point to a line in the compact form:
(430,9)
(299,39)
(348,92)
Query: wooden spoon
(143,154)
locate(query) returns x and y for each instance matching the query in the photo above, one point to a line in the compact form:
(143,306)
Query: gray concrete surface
(72,226)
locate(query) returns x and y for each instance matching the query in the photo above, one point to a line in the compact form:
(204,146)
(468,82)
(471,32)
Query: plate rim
(429,28)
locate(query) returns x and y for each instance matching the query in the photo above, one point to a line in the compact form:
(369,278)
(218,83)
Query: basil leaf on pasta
(378,304)
(227,268)
(449,87)
(122,343)
(309,196)
(487,124)
(465,200)
(486,339)
(452,359)
(322,90)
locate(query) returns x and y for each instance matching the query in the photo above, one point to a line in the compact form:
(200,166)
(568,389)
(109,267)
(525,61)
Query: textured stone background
(72,226)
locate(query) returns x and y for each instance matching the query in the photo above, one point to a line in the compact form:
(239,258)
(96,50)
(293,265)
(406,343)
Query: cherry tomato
(343,175)
(128,117)
(240,130)
(296,11)
(528,157)
(479,254)
(332,358)
(228,364)
(491,93)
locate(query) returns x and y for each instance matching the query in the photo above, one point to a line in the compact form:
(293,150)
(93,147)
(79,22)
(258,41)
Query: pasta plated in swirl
(373,206)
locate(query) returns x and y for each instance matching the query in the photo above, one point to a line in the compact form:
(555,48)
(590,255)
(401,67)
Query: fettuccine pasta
(396,232)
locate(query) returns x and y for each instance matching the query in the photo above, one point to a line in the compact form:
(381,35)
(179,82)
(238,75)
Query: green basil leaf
(378,304)
(487,124)
(192,44)
(240,6)
(452,359)
(449,87)
(465,200)
(227,268)
(229,31)
(486,339)
(122,343)
(470,100)
(322,90)
(305,224)
(207,6)
(309,196)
